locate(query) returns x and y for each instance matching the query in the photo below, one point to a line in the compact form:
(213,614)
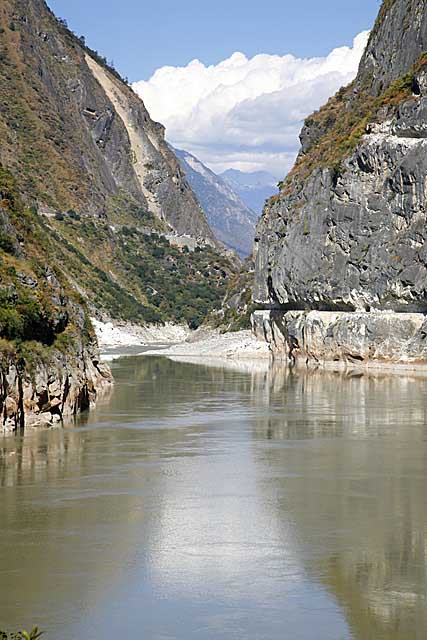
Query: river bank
(209,343)
(122,338)
(112,334)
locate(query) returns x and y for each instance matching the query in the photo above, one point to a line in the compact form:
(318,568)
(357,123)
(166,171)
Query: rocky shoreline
(209,343)
(340,340)
(49,391)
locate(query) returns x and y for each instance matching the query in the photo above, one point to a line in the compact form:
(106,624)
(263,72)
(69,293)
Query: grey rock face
(310,134)
(353,237)
(411,119)
(51,390)
(396,43)
(356,242)
(340,340)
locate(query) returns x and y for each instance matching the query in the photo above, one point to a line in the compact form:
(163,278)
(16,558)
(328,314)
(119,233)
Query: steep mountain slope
(88,158)
(49,361)
(253,188)
(95,212)
(232,222)
(348,229)
(64,112)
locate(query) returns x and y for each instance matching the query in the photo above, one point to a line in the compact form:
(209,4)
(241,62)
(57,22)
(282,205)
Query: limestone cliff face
(396,43)
(348,230)
(337,340)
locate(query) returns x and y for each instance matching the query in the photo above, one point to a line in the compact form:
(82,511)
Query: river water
(209,503)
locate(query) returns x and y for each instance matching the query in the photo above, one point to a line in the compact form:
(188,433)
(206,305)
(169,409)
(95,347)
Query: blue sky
(263,67)
(141,36)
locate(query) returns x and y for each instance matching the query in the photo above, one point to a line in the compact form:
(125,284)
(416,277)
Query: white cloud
(246,113)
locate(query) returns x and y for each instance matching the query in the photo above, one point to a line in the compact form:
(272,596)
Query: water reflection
(356,490)
(222,502)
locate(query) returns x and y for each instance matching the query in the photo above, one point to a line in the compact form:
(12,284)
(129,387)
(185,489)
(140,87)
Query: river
(212,503)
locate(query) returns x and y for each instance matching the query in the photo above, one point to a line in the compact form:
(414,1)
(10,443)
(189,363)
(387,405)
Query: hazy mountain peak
(254,188)
(231,220)
(252,178)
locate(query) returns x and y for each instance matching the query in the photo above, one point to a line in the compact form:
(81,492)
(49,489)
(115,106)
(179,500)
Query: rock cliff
(347,232)
(46,388)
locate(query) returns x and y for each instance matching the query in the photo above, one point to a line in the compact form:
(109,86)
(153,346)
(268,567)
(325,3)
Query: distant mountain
(231,220)
(253,188)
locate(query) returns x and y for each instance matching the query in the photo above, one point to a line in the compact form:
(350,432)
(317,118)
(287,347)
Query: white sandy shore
(177,341)
(125,334)
(213,344)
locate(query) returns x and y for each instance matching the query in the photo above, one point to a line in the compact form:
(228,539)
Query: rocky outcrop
(47,391)
(396,42)
(348,233)
(345,340)
(354,241)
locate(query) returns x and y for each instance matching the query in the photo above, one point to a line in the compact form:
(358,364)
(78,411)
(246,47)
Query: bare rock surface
(351,235)
(345,340)
(50,391)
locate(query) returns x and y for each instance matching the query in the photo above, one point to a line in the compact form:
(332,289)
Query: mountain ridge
(254,188)
(232,222)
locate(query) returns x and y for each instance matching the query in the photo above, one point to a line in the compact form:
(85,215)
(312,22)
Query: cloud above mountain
(246,113)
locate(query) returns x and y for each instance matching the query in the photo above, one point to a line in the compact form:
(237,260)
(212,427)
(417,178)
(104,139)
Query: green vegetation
(237,307)
(236,319)
(35,634)
(136,274)
(25,317)
(39,311)
(344,120)
(178,285)
(6,243)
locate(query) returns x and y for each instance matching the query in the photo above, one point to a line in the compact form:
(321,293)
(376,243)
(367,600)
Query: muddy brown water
(208,503)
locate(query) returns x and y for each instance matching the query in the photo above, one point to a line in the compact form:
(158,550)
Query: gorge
(201,439)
